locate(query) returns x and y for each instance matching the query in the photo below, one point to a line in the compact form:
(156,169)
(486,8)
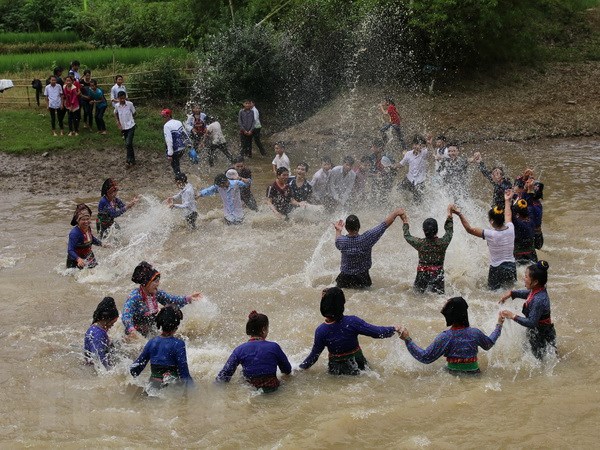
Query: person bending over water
(166,353)
(259,358)
(81,239)
(459,344)
(432,252)
(340,334)
(97,345)
(501,243)
(536,309)
(141,307)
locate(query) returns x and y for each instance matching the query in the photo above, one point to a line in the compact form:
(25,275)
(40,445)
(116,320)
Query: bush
(162,78)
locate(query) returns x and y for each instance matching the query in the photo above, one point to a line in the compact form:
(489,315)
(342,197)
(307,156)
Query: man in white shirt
(340,184)
(54,101)
(416,159)
(175,139)
(257,128)
(320,179)
(114,91)
(281,159)
(124,113)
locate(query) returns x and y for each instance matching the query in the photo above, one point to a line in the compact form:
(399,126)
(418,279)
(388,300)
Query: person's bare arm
(465,223)
(507,205)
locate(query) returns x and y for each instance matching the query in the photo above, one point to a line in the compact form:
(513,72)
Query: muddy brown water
(48,398)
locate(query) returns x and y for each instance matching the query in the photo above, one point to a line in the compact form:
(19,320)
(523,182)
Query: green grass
(35,47)
(38,38)
(89,58)
(28,131)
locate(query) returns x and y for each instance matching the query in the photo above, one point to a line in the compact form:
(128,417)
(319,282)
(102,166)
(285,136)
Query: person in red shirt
(388,108)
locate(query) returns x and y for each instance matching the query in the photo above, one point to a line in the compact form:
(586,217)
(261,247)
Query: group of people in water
(512,238)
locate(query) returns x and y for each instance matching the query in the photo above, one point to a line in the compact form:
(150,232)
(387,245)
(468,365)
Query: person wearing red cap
(175,139)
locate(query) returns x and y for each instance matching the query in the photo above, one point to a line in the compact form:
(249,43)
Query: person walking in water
(459,343)
(340,334)
(432,252)
(356,249)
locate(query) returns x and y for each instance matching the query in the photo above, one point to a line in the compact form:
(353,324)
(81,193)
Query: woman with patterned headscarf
(110,206)
(81,239)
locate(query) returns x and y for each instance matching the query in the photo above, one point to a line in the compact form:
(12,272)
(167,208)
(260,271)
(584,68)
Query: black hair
(454,144)
(539,272)
(93,80)
(390,100)
(498,168)
(117,76)
(280,144)
(441,137)
(430,227)
(332,303)
(455,312)
(75,63)
(238,159)
(71,77)
(538,190)
(496,215)
(326,159)
(86,71)
(348,159)
(121,94)
(520,207)
(352,223)
(365,158)
(181,177)
(281,170)
(106,310)
(418,139)
(256,323)
(303,164)
(57,70)
(169,318)
(220,179)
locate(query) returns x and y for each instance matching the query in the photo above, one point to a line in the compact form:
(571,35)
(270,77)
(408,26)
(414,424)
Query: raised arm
(465,223)
(392,216)
(508,194)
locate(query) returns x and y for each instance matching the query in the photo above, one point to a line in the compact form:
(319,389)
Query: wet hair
(169,318)
(454,144)
(378,143)
(390,100)
(520,207)
(208,120)
(441,137)
(256,323)
(430,227)
(108,184)
(86,71)
(238,159)
(519,182)
(82,207)
(348,160)
(326,159)
(418,139)
(496,215)
(539,272)
(181,177)
(332,303)
(498,168)
(121,94)
(106,310)
(455,312)
(280,144)
(144,273)
(221,179)
(352,223)
(281,170)
(303,164)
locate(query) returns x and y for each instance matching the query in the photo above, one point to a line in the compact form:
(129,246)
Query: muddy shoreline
(561,101)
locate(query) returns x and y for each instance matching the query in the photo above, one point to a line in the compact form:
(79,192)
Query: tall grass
(38,38)
(27,47)
(92,59)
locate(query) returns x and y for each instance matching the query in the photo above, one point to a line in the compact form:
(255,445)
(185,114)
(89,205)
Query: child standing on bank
(187,198)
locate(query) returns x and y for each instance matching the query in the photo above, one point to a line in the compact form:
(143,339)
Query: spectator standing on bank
(257,128)
(124,114)
(246,123)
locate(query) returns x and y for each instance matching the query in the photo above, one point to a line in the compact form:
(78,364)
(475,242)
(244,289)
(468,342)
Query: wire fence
(145,86)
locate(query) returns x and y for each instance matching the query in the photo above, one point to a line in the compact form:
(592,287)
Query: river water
(48,398)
